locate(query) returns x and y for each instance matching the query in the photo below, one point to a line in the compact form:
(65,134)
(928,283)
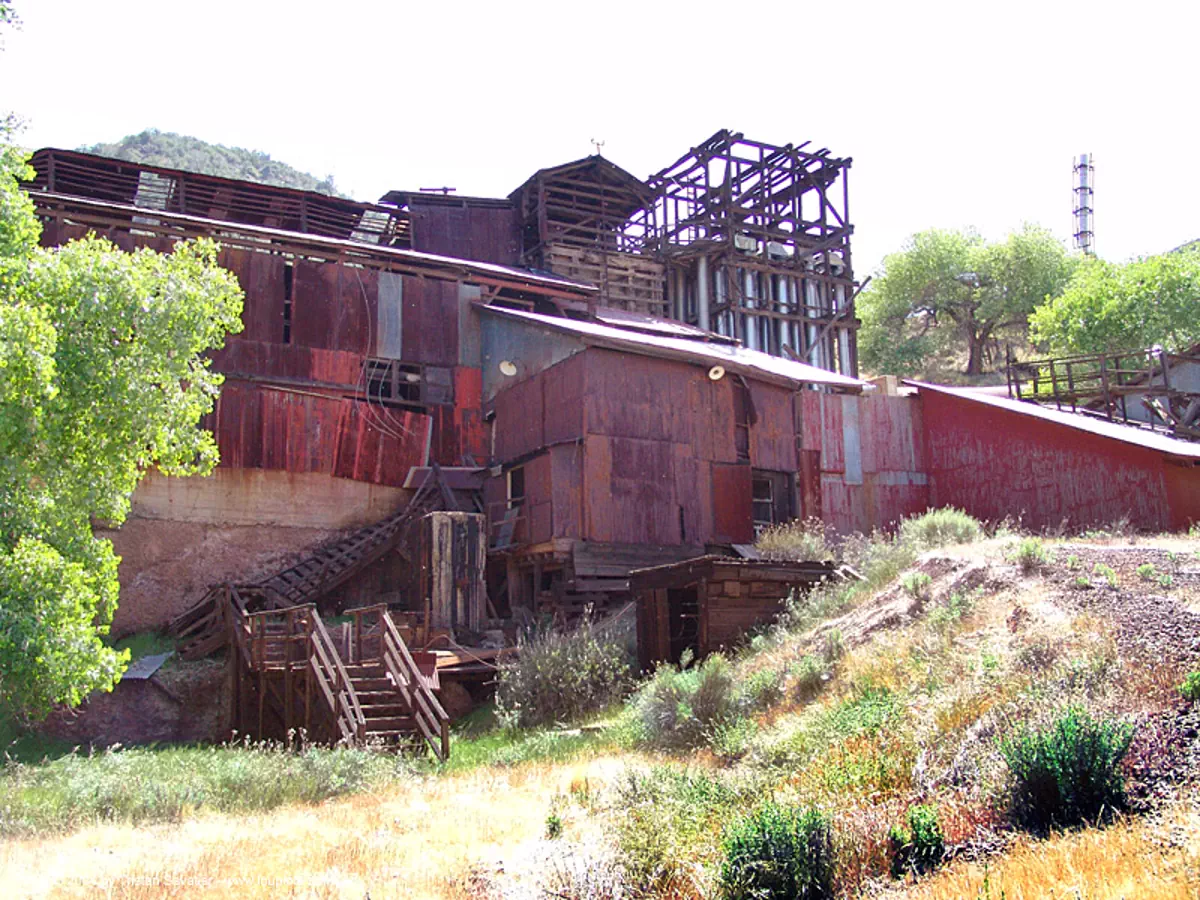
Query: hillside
(179,151)
(886,710)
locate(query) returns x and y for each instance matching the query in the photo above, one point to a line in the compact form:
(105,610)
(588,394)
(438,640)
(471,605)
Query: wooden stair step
(372,684)
(391,723)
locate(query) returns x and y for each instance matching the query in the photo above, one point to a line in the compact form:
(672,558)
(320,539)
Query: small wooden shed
(709,602)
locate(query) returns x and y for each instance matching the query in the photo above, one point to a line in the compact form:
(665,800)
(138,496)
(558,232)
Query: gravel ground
(1152,621)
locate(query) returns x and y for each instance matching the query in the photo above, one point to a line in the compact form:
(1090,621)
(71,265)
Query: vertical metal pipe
(751,321)
(719,288)
(702,292)
(845,365)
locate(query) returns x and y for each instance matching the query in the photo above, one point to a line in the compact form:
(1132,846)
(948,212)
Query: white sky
(963,113)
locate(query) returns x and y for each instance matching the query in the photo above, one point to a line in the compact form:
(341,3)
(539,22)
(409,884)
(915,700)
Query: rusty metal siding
(378,451)
(520,419)
(773,434)
(566,477)
(994,463)
(483,233)
(430,330)
(563,400)
(539,498)
(630,491)
(732,511)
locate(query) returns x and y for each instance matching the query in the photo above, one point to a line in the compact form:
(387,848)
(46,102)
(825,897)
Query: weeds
(1067,773)
(562,677)
(1190,688)
(682,706)
(801,540)
(1031,555)
(146,785)
(940,527)
(1107,573)
(1146,572)
(916,585)
(919,845)
(777,852)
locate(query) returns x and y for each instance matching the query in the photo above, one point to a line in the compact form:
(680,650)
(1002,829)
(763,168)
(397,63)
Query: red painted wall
(994,463)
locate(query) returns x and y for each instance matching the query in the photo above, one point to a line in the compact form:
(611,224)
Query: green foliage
(1190,689)
(1123,306)
(554,826)
(950,613)
(777,852)
(918,845)
(145,785)
(801,540)
(562,677)
(682,706)
(102,376)
(1067,773)
(1146,572)
(947,292)
(178,151)
(1031,555)
(1108,573)
(916,585)
(809,677)
(940,527)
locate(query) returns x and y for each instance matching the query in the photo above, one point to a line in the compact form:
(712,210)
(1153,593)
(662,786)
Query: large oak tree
(950,295)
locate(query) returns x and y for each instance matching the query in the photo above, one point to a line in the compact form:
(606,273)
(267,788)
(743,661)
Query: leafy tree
(179,151)
(102,376)
(947,292)
(1125,306)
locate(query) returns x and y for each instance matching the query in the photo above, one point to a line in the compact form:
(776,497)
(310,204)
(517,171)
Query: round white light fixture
(507,367)
(716,373)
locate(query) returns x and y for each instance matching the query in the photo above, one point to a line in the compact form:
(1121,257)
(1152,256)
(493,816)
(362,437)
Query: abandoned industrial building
(447,412)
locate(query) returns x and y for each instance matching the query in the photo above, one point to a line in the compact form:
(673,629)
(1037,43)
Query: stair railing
(402,670)
(334,681)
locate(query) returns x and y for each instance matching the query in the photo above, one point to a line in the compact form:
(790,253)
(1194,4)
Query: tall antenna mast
(1085,176)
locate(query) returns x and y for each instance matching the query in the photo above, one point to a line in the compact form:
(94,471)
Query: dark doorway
(683,614)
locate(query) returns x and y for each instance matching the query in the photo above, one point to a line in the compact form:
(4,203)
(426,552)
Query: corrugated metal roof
(1129,434)
(636,321)
(734,358)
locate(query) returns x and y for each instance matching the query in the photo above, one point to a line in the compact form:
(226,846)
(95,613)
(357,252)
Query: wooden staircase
(201,630)
(288,675)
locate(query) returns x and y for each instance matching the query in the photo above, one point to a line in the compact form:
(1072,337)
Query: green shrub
(562,677)
(1108,573)
(919,845)
(1190,689)
(947,614)
(1067,773)
(1146,572)
(940,527)
(809,677)
(761,690)
(682,706)
(801,540)
(554,826)
(1031,555)
(778,852)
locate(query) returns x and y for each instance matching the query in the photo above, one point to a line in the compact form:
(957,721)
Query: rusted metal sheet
(333,306)
(693,493)
(564,398)
(630,491)
(519,424)
(772,435)
(996,462)
(380,448)
(566,478)
(430,331)
(261,276)
(539,498)
(833,456)
(732,511)
(892,435)
(469,231)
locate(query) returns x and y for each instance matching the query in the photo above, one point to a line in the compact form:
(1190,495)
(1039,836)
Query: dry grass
(1129,861)
(434,839)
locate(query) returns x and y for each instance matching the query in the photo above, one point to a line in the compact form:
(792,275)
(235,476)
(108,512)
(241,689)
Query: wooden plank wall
(485,233)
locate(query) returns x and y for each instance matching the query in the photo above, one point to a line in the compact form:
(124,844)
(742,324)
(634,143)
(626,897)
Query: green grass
(155,785)
(144,643)
(480,741)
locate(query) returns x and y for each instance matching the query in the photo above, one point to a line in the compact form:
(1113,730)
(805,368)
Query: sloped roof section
(1129,434)
(737,359)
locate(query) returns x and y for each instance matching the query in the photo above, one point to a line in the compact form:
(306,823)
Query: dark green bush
(561,677)
(1067,773)
(918,845)
(777,852)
